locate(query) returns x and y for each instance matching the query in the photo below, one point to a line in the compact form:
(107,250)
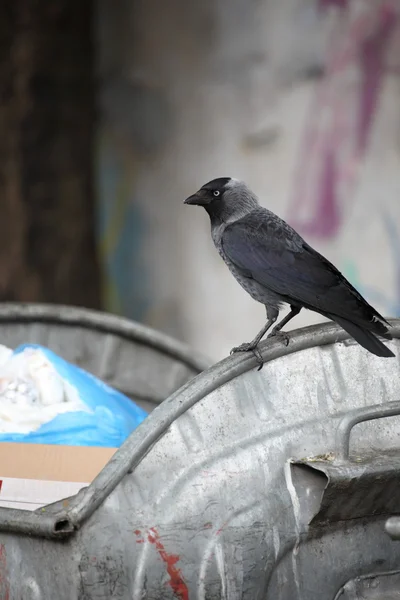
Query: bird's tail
(365,337)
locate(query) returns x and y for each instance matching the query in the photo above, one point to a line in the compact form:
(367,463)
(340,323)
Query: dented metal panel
(347,491)
(206,501)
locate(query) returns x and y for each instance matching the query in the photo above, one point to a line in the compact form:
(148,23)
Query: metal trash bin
(242,485)
(142,363)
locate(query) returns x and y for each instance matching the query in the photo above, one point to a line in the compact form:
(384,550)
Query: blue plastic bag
(110,418)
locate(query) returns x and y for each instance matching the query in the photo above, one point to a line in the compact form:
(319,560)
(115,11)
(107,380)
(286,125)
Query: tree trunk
(47,244)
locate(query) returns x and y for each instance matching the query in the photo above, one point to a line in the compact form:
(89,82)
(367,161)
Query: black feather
(269,251)
(364,337)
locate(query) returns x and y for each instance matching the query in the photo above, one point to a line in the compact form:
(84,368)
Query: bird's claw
(282,335)
(242,348)
(250,348)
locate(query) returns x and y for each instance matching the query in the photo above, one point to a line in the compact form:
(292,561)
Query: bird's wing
(269,251)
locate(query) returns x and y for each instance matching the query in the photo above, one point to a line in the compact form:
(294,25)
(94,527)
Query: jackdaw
(273,263)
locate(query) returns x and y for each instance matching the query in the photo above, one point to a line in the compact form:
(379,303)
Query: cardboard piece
(33,475)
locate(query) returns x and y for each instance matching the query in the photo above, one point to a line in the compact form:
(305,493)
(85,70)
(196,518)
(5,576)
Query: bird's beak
(200,198)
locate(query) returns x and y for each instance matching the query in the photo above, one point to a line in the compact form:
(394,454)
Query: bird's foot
(249,347)
(242,348)
(280,334)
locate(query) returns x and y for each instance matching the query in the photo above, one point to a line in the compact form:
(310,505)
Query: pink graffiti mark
(333,149)
(4,581)
(372,56)
(176,580)
(220,530)
(327,3)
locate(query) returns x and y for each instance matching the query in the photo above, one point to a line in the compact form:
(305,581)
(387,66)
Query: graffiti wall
(301,99)
(345,139)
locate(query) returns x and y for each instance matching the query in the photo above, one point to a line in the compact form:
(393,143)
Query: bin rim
(64,315)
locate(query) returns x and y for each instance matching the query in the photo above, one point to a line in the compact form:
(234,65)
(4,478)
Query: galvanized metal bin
(242,485)
(142,363)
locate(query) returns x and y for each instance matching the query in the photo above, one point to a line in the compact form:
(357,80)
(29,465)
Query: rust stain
(4,582)
(176,580)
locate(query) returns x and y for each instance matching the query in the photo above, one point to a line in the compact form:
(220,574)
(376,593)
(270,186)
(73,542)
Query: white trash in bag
(32,392)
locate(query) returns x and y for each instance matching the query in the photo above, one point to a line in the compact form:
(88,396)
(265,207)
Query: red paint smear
(138,533)
(4,583)
(176,581)
(1,484)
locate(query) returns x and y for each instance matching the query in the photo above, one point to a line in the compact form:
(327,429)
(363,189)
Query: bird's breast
(257,291)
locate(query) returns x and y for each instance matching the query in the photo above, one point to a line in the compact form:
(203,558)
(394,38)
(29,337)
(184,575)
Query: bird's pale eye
(216,193)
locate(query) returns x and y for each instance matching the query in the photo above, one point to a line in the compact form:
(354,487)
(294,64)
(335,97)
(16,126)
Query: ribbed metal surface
(204,501)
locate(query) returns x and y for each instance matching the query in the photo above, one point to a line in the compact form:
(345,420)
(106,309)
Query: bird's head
(225,199)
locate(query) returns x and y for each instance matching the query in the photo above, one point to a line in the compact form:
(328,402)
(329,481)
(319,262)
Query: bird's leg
(252,346)
(294,310)
(249,346)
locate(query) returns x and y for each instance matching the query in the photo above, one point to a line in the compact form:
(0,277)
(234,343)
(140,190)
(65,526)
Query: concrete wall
(300,99)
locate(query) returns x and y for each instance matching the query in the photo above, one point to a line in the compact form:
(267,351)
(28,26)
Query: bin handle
(359,416)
